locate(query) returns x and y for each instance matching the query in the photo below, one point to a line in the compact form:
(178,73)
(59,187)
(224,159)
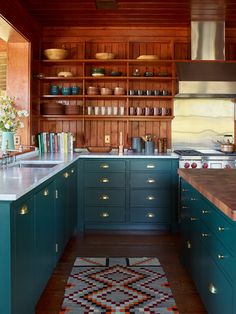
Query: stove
(191,158)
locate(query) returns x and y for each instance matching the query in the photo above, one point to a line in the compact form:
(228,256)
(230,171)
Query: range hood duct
(215,78)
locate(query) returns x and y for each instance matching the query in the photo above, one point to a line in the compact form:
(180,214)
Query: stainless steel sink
(36,164)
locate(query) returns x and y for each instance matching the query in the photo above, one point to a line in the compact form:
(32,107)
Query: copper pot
(227,148)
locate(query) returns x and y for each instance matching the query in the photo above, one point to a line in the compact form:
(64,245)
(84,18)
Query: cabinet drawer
(104,165)
(150,165)
(219,224)
(153,180)
(105,197)
(149,198)
(114,180)
(139,214)
(104,214)
(216,291)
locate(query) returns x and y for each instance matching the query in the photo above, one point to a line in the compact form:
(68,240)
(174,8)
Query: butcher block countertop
(217,185)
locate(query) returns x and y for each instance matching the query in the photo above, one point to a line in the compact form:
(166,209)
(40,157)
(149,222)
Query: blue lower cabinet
(24,277)
(207,251)
(145,189)
(44,235)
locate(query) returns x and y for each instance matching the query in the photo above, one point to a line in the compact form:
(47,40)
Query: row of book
(50,142)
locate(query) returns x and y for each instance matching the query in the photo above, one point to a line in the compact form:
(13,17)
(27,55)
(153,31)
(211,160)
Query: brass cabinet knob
(189,245)
(150,215)
(66,175)
(204,235)
(104,180)
(212,288)
(104,197)
(104,214)
(104,166)
(151,166)
(205,212)
(46,192)
(221,229)
(193,218)
(150,180)
(150,198)
(72,170)
(24,210)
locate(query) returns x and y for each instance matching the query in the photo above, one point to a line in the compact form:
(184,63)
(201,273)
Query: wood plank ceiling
(129,13)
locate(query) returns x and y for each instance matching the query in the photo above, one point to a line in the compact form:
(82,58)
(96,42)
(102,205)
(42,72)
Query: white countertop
(15,181)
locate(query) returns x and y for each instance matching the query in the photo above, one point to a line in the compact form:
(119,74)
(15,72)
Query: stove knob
(227,166)
(205,165)
(194,165)
(187,165)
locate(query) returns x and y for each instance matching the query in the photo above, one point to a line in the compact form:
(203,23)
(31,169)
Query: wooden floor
(165,247)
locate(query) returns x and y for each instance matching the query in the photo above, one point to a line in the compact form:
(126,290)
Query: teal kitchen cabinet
(45,240)
(23,260)
(127,193)
(65,207)
(29,237)
(208,250)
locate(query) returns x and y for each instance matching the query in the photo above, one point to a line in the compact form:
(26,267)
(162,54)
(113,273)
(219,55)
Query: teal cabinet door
(45,240)
(71,201)
(24,273)
(60,209)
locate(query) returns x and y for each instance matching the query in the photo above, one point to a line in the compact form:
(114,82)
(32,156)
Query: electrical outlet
(16,139)
(107,139)
(33,140)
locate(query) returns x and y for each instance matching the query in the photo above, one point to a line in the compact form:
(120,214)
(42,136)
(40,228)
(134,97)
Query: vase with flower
(10,121)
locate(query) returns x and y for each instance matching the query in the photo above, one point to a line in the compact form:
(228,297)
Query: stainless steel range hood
(215,78)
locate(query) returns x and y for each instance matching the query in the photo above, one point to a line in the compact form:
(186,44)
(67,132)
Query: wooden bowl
(148,57)
(52,108)
(99,149)
(104,55)
(55,54)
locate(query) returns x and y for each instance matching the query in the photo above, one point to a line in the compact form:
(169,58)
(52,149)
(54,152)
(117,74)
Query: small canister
(149,148)
(137,144)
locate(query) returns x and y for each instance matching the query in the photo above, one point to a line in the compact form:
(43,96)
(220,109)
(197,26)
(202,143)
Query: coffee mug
(54,90)
(109,110)
(132,111)
(115,110)
(121,111)
(165,92)
(148,92)
(96,110)
(139,111)
(164,111)
(89,110)
(157,111)
(148,111)
(103,110)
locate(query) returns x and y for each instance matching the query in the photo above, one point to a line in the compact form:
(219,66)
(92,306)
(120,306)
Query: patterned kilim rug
(118,285)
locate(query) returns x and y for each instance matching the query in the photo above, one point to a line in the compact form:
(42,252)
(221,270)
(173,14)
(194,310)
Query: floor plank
(163,246)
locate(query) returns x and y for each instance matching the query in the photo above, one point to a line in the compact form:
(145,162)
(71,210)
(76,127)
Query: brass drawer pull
(204,235)
(104,214)
(184,207)
(104,180)
(72,170)
(150,215)
(193,199)
(150,198)
(104,197)
(220,256)
(189,245)
(221,229)
(66,175)
(150,166)
(46,192)
(24,210)
(212,289)
(150,180)
(193,218)
(104,166)
(185,190)
(205,212)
